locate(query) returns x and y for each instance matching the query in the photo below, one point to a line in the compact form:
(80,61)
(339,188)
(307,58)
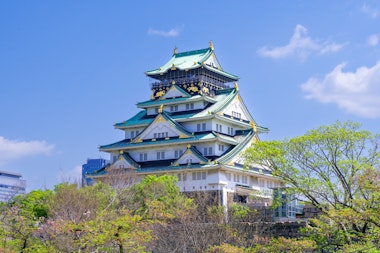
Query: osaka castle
(194,126)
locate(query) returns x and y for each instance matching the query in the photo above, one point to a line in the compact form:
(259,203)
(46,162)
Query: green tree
(116,231)
(159,198)
(20,219)
(334,168)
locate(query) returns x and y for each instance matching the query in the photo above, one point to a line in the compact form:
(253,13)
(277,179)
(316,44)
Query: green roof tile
(191,60)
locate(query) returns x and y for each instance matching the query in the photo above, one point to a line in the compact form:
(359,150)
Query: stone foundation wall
(197,237)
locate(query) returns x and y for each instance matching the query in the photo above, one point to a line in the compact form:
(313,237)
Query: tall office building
(11,184)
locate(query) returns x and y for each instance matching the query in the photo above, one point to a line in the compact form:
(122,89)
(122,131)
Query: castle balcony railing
(188,80)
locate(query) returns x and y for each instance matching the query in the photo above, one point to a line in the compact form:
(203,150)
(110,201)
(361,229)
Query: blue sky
(69,70)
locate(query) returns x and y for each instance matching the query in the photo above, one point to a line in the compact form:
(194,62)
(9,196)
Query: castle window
(174,108)
(236,114)
(143,156)
(198,127)
(199,175)
(189,106)
(221,147)
(182,177)
(244,179)
(177,153)
(160,155)
(203,126)
(210,151)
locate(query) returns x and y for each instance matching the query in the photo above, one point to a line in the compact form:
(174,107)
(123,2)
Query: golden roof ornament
(121,152)
(175,51)
(188,146)
(211,45)
(253,125)
(161,108)
(236,86)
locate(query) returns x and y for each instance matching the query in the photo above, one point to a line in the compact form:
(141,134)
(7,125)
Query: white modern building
(194,126)
(11,184)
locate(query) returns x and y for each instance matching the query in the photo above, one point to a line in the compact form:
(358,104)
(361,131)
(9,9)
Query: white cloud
(373,40)
(301,46)
(174,32)
(372,12)
(72,176)
(356,92)
(11,150)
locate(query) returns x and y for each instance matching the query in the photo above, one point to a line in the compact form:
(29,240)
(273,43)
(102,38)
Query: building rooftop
(191,60)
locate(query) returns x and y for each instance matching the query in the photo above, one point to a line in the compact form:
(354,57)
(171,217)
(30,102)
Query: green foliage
(333,168)
(159,198)
(227,248)
(114,232)
(276,245)
(240,211)
(35,203)
(282,244)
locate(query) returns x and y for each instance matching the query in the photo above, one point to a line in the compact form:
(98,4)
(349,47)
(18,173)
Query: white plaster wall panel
(235,108)
(120,164)
(172,93)
(151,111)
(186,158)
(193,126)
(159,126)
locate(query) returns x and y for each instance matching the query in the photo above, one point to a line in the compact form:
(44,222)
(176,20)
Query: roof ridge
(175,123)
(192,52)
(237,148)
